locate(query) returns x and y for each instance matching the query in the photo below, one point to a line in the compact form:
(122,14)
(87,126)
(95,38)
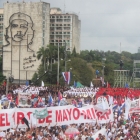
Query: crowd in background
(119,129)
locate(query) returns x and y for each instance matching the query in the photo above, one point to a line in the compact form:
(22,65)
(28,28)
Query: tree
(42,54)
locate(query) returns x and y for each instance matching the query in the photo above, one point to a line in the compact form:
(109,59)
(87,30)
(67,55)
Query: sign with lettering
(56,116)
(24,99)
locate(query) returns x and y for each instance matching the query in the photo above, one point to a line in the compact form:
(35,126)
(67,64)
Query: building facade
(65,28)
(1,30)
(26,29)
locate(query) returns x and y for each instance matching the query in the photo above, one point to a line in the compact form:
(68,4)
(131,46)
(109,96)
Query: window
(67,20)
(52,20)
(69,16)
(68,32)
(59,20)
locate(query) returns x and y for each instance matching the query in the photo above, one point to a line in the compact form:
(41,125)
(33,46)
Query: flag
(67,76)
(42,84)
(105,104)
(127,107)
(26,122)
(121,108)
(91,84)
(63,74)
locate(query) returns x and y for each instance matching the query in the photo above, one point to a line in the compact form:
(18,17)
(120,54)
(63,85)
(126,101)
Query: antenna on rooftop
(64,6)
(120,48)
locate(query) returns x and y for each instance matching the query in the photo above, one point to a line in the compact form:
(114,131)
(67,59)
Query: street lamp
(66,64)
(103,60)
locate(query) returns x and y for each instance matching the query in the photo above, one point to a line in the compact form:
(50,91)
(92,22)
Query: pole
(58,67)
(51,64)
(19,61)
(103,76)
(7,84)
(65,58)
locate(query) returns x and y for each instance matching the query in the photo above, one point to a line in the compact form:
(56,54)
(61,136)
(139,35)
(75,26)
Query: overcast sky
(105,24)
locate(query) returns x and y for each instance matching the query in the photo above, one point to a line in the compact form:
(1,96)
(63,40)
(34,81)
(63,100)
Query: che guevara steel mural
(20,33)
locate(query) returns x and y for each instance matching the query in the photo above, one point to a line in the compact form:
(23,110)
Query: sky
(107,25)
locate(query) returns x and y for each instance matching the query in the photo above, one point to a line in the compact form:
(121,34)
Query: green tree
(42,55)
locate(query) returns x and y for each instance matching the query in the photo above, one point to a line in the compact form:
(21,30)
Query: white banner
(9,118)
(24,99)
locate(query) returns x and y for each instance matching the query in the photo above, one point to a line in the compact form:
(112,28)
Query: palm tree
(46,54)
(42,54)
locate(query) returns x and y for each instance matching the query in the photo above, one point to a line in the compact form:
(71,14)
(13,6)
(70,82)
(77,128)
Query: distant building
(1,30)
(65,27)
(139,50)
(26,29)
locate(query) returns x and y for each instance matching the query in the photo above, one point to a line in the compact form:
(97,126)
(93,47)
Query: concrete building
(65,27)
(26,29)
(1,30)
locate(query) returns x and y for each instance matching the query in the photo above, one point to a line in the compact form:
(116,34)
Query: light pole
(58,67)
(103,60)
(65,57)
(66,64)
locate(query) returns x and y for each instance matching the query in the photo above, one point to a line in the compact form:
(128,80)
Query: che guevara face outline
(19,28)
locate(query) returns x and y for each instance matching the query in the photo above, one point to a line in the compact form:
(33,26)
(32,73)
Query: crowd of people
(118,129)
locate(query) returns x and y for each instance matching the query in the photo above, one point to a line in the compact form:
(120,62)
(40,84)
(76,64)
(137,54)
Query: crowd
(119,129)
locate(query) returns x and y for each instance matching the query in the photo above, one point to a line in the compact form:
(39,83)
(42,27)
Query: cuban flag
(121,108)
(67,77)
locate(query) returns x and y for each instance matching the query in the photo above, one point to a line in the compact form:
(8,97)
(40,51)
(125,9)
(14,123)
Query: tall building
(65,28)
(28,26)
(1,30)
(26,29)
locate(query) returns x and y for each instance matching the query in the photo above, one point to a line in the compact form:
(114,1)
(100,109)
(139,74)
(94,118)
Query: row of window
(60,16)
(59,40)
(60,20)
(60,28)
(60,32)
(60,44)
(60,24)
